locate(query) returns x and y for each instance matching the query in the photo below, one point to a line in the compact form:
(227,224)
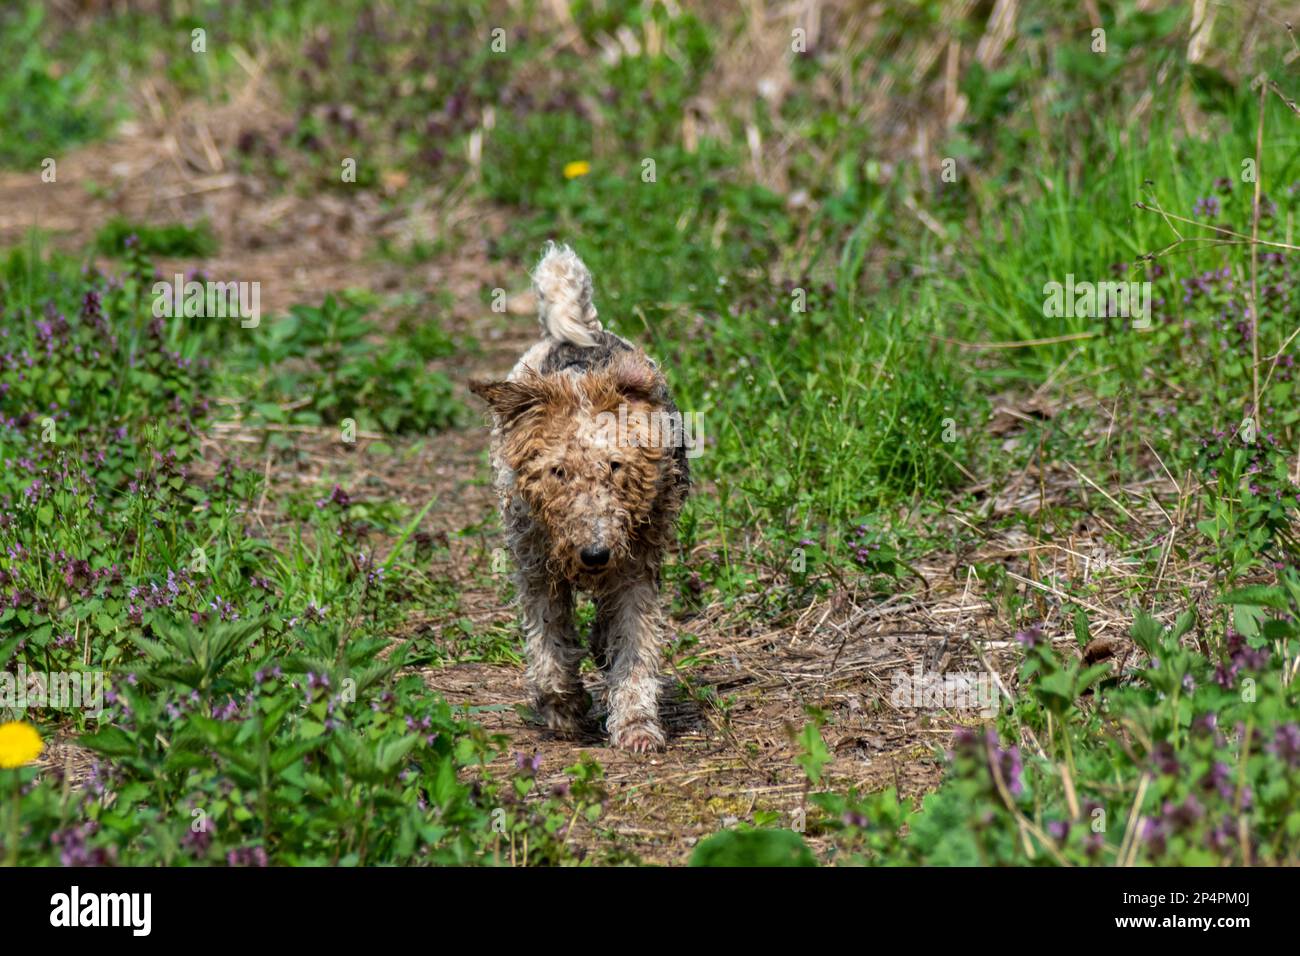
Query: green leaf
(1246,619)
(407,532)
(1258,595)
(1148,633)
(112,741)
(443,790)
(1186,621)
(1081,626)
(753,848)
(391,752)
(813,754)
(294,752)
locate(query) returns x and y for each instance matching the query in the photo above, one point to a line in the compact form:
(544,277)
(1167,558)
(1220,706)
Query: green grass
(349,371)
(45,106)
(176,239)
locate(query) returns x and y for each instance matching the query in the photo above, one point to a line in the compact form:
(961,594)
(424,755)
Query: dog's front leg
(551,645)
(633,630)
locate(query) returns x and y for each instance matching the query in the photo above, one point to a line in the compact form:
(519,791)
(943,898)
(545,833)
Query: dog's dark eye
(615,466)
(558,473)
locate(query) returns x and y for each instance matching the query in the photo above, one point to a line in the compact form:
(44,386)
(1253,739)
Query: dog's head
(591,454)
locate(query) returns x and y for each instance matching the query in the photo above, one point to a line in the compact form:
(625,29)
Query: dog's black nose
(594,557)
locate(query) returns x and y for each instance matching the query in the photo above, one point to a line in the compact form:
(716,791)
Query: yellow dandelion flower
(579,167)
(19,744)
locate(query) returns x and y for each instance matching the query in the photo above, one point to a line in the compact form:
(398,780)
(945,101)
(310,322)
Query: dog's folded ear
(508,400)
(635,376)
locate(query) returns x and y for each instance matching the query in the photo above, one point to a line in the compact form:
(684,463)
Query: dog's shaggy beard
(582,492)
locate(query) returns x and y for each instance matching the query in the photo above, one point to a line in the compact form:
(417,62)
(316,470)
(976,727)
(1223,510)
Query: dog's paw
(565,715)
(640,737)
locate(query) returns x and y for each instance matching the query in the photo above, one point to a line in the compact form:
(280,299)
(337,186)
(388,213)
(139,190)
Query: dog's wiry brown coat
(590,493)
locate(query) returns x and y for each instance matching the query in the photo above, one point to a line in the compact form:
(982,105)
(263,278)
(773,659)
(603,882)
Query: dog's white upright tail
(563,287)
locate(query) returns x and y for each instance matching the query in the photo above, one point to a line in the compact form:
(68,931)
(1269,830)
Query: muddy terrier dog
(591,471)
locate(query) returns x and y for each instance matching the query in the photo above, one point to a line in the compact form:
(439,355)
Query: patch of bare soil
(182,162)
